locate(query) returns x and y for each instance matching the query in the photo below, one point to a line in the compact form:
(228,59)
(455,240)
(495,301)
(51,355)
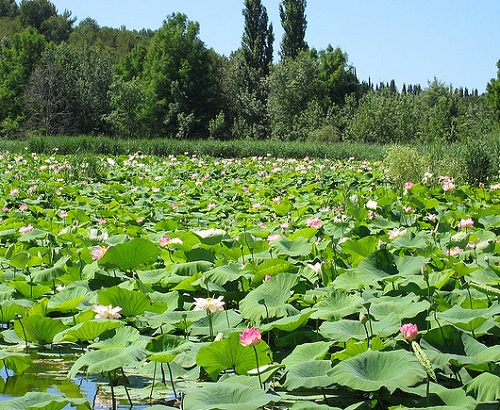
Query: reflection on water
(49,376)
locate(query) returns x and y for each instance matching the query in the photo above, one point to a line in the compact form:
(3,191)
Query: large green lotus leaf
(132,302)
(9,310)
(223,321)
(372,370)
(354,347)
(15,361)
(337,305)
(43,401)
(49,274)
(190,268)
(412,241)
(297,247)
(31,291)
(449,343)
(310,375)
(408,306)
(225,274)
(289,323)
(306,352)
(230,354)
(359,249)
(131,255)
(87,331)
(468,319)
(310,405)
(38,329)
(270,298)
(68,299)
(382,265)
(343,330)
(6,292)
(489,354)
(34,234)
(181,319)
(484,387)
(271,267)
(489,221)
(165,348)
(107,360)
(227,396)
(120,337)
(354,280)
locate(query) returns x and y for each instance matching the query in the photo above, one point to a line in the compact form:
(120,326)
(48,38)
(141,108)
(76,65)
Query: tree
(258,37)
(43,16)
(17,60)
(247,73)
(338,76)
(48,96)
(294,97)
(180,78)
(293,20)
(493,95)
(9,8)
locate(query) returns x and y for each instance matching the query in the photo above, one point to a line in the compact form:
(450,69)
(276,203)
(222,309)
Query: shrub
(477,162)
(406,163)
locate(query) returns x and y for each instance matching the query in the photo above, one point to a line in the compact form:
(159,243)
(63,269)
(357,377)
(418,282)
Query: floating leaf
(43,401)
(227,396)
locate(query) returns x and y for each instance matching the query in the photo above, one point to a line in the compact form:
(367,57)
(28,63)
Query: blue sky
(456,41)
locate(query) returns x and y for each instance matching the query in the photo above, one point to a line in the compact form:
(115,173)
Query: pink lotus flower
(453,252)
(107,312)
(409,331)
(314,223)
(250,337)
(23,207)
(273,237)
(99,252)
(25,229)
(167,240)
(63,214)
(466,223)
(266,278)
(409,185)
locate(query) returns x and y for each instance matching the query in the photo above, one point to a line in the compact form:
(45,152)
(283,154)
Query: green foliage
(493,95)
(180,79)
(406,163)
(479,164)
(293,20)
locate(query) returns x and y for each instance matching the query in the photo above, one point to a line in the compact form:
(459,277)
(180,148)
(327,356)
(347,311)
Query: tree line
(58,78)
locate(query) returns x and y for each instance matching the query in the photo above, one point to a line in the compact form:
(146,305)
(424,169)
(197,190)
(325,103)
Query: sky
(412,42)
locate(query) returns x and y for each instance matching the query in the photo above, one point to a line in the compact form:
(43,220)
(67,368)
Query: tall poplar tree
(258,37)
(293,20)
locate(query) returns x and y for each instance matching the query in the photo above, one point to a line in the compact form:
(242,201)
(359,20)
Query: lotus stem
(125,386)
(257,362)
(171,379)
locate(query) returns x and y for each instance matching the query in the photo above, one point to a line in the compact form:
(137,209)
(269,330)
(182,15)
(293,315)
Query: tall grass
(221,149)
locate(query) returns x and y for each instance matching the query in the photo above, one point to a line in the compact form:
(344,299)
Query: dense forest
(62,78)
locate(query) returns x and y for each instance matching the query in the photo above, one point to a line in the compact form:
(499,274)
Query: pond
(48,374)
